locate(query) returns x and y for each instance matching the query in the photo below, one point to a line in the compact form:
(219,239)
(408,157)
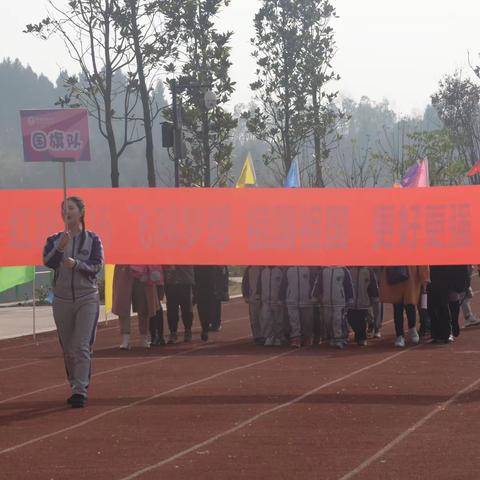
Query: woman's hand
(64,239)
(69,262)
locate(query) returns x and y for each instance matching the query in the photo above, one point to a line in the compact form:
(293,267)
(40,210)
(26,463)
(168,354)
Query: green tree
(281,116)
(446,166)
(457,103)
(204,64)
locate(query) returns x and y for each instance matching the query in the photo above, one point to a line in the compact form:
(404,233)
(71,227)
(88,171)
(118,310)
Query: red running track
(231,410)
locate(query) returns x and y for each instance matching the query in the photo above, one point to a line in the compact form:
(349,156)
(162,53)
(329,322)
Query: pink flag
(58,134)
(417,175)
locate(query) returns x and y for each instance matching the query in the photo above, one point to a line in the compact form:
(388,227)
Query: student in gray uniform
(296,291)
(76,256)
(251,295)
(334,292)
(365,290)
(272,312)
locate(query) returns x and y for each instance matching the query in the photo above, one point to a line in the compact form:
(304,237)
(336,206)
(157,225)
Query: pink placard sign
(55,135)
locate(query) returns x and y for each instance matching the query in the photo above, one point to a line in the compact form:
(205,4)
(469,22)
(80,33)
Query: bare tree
(94,39)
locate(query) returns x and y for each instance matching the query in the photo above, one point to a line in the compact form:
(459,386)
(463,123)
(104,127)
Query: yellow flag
(247,177)
(109,287)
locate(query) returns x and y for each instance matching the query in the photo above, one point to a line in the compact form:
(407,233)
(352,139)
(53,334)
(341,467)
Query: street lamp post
(210,101)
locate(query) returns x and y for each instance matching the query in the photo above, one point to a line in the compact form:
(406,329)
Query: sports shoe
(400,342)
(204,336)
(277,342)
(269,341)
(145,341)
(125,345)
(172,339)
(295,342)
(413,334)
(471,321)
(362,343)
(377,335)
(158,342)
(77,400)
(259,341)
(316,341)
(339,344)
(187,336)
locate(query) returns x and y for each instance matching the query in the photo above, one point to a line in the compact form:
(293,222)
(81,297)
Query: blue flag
(293,177)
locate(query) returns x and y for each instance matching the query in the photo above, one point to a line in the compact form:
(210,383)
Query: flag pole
(64,175)
(34,319)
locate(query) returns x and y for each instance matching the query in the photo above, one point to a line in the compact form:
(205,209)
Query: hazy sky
(386,48)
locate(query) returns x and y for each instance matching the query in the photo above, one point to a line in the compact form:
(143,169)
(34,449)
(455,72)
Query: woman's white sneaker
(400,342)
(125,345)
(413,334)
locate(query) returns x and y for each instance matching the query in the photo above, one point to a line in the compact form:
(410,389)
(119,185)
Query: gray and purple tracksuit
(76,302)
(334,292)
(251,295)
(272,309)
(365,292)
(296,291)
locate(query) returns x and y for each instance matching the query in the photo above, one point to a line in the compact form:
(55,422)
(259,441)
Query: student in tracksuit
(296,292)
(251,295)
(334,292)
(76,256)
(272,310)
(365,293)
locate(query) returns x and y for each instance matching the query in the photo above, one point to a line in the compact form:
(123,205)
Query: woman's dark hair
(81,206)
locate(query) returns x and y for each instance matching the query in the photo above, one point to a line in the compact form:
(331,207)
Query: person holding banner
(76,256)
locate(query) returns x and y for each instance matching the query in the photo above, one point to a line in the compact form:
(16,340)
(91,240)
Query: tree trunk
(145,97)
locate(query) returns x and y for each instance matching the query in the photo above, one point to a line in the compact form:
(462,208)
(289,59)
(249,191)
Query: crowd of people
(298,306)
(302,306)
(141,289)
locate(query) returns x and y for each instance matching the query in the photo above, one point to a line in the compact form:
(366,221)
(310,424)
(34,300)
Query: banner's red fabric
(255,226)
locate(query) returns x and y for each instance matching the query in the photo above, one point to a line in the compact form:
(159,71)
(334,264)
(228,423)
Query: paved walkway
(18,321)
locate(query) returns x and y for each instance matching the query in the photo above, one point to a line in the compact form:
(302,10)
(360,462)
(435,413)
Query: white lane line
(254,418)
(20,366)
(409,431)
(139,402)
(133,365)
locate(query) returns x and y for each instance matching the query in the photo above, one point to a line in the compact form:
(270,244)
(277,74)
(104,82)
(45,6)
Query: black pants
(358,321)
(179,296)
(440,317)
(454,314)
(156,325)
(398,317)
(209,312)
(424,320)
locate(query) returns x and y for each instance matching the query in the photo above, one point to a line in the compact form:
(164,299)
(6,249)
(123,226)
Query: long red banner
(255,226)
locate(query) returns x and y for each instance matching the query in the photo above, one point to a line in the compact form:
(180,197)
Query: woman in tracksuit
(76,256)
